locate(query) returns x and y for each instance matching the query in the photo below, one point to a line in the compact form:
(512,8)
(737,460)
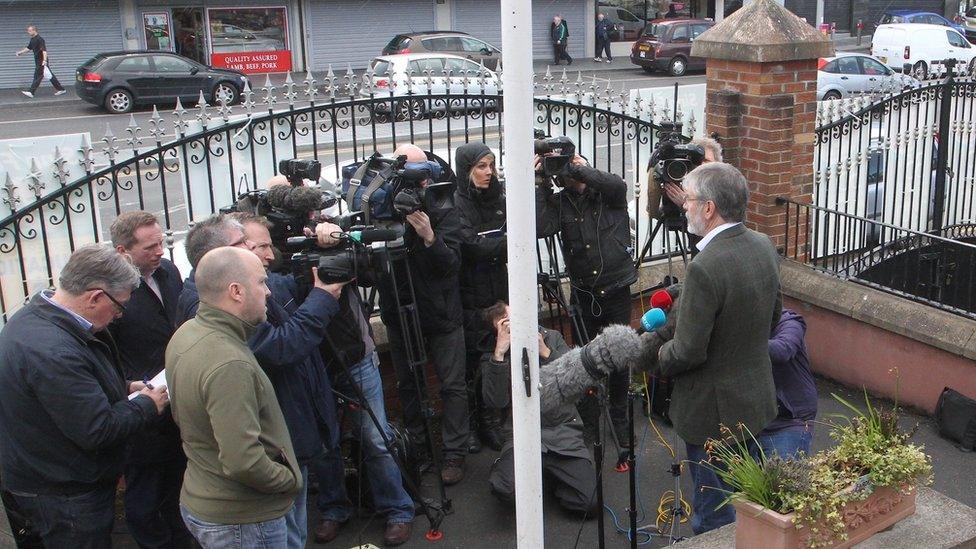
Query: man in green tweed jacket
(719,357)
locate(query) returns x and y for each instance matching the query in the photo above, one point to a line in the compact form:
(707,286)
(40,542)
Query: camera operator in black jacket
(480,200)
(432,242)
(591,213)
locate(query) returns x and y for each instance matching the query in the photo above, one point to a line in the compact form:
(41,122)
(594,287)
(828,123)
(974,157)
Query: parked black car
(120,80)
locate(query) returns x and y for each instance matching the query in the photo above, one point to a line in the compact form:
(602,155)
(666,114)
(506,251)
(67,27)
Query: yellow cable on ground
(665,506)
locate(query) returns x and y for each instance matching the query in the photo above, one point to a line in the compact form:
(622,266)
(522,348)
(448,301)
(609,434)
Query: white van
(922,47)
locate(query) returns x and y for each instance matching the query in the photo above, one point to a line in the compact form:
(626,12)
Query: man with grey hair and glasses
(718,359)
(65,411)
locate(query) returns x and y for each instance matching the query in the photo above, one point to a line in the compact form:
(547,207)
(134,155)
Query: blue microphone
(653,319)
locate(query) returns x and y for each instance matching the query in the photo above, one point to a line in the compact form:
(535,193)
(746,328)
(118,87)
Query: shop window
(252,40)
(247,29)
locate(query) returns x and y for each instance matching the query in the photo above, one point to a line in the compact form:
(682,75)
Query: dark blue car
(916,16)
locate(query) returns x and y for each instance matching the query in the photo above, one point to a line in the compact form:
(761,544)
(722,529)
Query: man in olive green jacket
(242,475)
(719,357)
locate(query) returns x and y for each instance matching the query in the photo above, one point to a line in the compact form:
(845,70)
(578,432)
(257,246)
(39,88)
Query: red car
(665,44)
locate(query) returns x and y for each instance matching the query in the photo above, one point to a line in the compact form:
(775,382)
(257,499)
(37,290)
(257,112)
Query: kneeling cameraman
(565,458)
(591,213)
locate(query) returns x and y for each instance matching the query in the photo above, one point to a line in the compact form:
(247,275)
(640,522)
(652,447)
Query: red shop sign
(253,62)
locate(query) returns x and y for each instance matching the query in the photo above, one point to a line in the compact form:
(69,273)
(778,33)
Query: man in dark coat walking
(604,27)
(41,63)
(155,462)
(719,357)
(558,34)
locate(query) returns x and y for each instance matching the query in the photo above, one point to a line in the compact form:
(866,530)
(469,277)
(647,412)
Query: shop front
(251,39)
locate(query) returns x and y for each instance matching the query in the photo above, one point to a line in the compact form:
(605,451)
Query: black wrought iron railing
(217,153)
(924,267)
(907,159)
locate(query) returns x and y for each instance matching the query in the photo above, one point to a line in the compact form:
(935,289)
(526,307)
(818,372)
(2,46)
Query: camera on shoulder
(556,153)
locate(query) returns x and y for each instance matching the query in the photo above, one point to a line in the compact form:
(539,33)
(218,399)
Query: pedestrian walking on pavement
(559,32)
(603,29)
(42,68)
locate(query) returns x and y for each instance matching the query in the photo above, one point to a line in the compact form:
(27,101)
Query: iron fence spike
(11,200)
(36,182)
(61,170)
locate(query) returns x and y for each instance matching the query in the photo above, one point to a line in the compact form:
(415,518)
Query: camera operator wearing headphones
(669,208)
(591,213)
(432,242)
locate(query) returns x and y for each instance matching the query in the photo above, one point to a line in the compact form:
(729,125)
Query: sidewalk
(13,98)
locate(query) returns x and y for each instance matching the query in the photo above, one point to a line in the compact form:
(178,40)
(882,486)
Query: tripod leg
(652,230)
(434,513)
(631,462)
(598,463)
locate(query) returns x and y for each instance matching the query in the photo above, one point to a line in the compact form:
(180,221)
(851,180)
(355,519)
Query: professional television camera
(389,189)
(289,208)
(344,262)
(671,161)
(556,153)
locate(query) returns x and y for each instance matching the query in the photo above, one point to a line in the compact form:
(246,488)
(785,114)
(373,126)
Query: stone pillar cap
(762,32)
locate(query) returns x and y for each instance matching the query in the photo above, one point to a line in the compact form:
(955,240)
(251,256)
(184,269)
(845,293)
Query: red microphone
(661,299)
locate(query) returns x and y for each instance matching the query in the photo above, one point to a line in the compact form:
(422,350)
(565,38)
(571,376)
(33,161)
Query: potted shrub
(835,498)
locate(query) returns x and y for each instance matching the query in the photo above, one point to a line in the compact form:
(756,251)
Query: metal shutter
(482,18)
(574,12)
(479,18)
(73,30)
(355,31)
(805,9)
(838,11)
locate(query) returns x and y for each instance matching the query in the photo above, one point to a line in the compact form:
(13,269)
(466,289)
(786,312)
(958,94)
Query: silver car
(417,74)
(850,74)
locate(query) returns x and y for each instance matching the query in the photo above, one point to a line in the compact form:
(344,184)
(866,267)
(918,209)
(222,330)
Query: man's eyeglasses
(117,303)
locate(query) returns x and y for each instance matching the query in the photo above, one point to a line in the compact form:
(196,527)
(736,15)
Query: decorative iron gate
(221,152)
(908,160)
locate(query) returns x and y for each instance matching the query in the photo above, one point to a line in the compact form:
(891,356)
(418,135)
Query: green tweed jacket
(719,357)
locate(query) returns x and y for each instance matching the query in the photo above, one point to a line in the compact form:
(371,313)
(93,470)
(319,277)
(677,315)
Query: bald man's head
(234,281)
(412,152)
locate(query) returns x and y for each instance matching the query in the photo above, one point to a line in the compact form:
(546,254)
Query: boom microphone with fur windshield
(567,378)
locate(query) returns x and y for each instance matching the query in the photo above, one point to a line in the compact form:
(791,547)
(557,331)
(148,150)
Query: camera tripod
(395,258)
(671,226)
(434,511)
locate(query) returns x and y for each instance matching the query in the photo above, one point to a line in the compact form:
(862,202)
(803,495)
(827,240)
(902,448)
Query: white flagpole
(520,206)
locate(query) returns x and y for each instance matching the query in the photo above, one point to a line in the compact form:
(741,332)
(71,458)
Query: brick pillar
(761,71)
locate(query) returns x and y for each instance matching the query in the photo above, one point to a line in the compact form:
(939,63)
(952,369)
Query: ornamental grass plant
(870,452)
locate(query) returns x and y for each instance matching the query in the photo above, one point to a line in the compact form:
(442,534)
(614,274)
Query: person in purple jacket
(796,392)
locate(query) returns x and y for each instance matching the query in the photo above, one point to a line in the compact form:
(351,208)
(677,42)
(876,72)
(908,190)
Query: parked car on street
(969,23)
(120,80)
(921,47)
(409,74)
(890,17)
(665,44)
(456,43)
(628,25)
(850,74)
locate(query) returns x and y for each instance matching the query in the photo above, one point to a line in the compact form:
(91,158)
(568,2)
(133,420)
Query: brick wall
(765,113)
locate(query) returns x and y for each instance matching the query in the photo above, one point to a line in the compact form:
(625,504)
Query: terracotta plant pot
(756,526)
